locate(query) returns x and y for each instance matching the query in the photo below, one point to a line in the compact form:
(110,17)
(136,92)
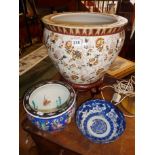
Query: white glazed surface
(83,59)
(87,18)
(48,97)
(84,20)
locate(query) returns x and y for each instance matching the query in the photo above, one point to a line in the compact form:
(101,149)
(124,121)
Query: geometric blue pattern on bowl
(98,126)
(100,121)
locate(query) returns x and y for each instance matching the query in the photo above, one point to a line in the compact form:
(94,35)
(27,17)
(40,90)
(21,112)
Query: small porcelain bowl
(50,105)
(100,121)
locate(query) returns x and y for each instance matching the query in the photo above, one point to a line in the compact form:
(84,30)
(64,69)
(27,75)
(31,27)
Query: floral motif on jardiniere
(82,78)
(73,72)
(65,64)
(76,54)
(73,65)
(110,51)
(99,44)
(74,77)
(61,44)
(69,47)
(53,37)
(93,61)
(89,52)
(105,57)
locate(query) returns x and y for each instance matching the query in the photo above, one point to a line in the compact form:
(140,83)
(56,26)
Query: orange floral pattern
(99,44)
(68,45)
(85,63)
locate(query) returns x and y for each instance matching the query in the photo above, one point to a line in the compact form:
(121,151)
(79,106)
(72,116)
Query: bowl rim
(120,21)
(45,115)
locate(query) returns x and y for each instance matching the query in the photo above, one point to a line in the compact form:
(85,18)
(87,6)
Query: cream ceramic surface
(84,20)
(87,18)
(83,48)
(49,97)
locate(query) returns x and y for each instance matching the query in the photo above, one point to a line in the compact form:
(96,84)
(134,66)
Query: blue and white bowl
(100,121)
(50,105)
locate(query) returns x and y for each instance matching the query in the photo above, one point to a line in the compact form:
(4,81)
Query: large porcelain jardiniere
(83,45)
